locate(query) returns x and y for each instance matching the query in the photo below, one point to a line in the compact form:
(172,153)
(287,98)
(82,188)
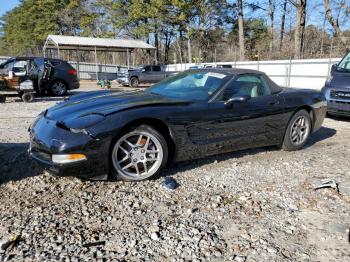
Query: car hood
(104,103)
(340,81)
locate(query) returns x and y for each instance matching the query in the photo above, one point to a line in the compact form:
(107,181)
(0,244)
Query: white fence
(306,73)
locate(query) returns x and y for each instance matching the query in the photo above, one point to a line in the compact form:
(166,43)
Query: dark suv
(337,88)
(49,75)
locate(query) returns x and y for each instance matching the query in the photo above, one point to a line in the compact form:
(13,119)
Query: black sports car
(196,113)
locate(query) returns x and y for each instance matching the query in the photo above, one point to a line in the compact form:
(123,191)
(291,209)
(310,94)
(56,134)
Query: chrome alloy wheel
(300,130)
(137,155)
(58,88)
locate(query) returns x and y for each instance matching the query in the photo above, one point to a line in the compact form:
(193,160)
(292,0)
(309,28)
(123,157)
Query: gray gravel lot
(252,205)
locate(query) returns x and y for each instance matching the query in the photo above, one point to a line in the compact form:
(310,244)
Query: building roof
(90,43)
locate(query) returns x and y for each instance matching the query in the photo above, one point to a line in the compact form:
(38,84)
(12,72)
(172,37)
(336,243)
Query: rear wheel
(134,82)
(139,154)
(298,131)
(58,88)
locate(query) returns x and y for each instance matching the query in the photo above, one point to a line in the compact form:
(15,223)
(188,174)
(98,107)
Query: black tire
(134,82)
(299,139)
(115,174)
(58,88)
(2,99)
(27,97)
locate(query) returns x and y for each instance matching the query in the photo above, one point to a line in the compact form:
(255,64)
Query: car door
(255,122)
(40,70)
(157,74)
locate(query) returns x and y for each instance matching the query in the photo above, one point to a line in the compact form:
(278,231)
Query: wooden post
(96,63)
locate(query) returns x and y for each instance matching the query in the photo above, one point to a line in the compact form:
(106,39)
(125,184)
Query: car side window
(252,85)
(147,68)
(157,68)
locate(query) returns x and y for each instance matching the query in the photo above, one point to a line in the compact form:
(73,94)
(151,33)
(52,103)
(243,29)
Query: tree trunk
(334,22)
(271,15)
(156,43)
(189,50)
(240,29)
(300,28)
(283,20)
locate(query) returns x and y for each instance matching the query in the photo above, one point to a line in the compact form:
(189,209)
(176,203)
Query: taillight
(72,72)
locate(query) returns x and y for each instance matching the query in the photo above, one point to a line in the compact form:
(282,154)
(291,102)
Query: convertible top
(239,71)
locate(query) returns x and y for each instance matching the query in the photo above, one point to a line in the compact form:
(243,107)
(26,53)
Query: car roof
(37,57)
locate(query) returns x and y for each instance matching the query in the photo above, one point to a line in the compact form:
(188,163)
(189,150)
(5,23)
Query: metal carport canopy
(62,42)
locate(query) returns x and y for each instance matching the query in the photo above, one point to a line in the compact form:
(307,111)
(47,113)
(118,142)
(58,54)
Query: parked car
(337,88)
(49,75)
(196,113)
(149,74)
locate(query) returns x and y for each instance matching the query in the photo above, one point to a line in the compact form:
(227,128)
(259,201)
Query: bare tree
(240,29)
(271,15)
(300,5)
(283,20)
(335,21)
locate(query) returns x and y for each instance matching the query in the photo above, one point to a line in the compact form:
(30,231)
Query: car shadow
(183,166)
(322,134)
(15,163)
(339,118)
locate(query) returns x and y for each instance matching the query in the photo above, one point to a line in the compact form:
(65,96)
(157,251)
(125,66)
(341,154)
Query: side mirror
(334,67)
(237,99)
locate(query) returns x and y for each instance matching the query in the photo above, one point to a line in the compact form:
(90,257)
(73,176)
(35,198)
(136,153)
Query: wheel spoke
(147,143)
(125,158)
(124,150)
(145,167)
(139,140)
(137,169)
(129,143)
(152,151)
(127,166)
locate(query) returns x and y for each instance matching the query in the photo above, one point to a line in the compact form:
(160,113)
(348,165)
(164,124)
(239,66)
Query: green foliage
(206,27)
(26,27)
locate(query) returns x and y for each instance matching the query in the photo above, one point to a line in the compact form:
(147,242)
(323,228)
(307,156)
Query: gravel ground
(252,205)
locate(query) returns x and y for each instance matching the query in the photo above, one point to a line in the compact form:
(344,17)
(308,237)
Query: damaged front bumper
(49,142)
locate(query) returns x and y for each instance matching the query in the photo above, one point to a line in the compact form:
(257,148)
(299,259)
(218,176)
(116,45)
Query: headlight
(67,158)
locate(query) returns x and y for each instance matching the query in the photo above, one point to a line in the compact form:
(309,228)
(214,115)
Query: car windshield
(190,85)
(344,64)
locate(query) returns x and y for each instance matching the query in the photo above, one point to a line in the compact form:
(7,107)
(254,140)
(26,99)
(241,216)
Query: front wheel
(134,82)
(139,154)
(298,131)
(58,88)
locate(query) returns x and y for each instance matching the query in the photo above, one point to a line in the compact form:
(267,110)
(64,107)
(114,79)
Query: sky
(6,5)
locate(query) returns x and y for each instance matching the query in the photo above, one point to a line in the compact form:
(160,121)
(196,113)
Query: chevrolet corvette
(132,135)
